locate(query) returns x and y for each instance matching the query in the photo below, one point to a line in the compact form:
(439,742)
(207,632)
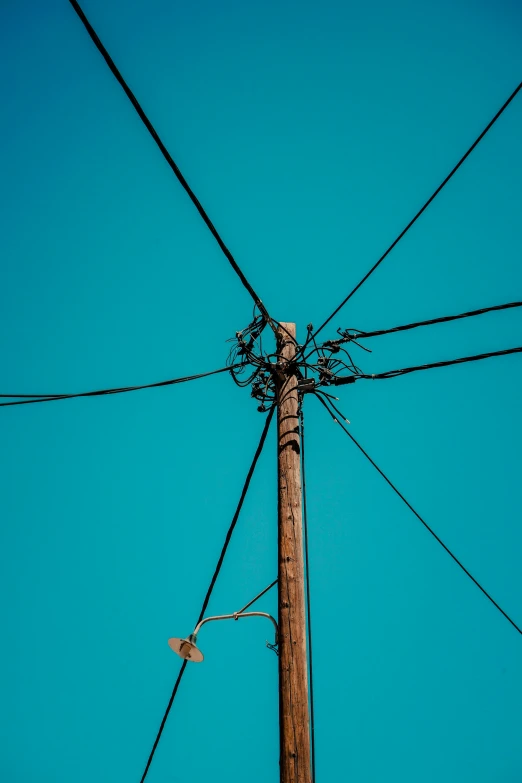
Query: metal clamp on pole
(305,385)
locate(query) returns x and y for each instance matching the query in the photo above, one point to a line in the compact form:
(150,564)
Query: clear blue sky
(311,132)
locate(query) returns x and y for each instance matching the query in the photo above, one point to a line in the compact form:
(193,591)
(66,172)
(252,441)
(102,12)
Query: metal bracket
(305,385)
(273,647)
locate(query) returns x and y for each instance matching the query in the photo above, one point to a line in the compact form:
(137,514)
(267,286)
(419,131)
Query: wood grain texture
(294,718)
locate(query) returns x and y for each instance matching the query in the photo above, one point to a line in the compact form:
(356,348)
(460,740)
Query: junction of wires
(328,363)
(251,364)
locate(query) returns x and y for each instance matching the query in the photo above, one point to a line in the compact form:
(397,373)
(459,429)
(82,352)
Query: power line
(213,581)
(423,208)
(359,335)
(164,719)
(308,603)
(26,399)
(166,154)
(406,370)
(236,515)
(428,528)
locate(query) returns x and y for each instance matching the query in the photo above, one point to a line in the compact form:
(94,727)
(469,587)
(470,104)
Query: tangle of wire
(249,353)
(330,363)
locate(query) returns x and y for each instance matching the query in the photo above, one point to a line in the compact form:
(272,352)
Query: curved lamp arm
(237,616)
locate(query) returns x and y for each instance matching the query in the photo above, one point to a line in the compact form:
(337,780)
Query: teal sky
(312,133)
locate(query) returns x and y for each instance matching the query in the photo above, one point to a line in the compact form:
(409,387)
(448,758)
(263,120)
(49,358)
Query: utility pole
(294,720)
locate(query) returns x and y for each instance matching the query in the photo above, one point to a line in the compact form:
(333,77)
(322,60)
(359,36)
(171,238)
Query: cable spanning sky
(311,135)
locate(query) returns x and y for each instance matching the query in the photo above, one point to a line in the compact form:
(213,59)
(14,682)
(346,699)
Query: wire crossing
(26,399)
(428,528)
(406,370)
(355,334)
(168,157)
(424,207)
(263,376)
(213,581)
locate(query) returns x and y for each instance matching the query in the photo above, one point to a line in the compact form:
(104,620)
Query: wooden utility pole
(294,720)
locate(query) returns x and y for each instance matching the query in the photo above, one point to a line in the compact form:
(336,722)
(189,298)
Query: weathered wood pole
(294,720)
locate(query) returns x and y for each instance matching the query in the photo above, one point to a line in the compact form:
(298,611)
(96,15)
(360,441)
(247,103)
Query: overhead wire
(26,399)
(406,370)
(423,208)
(428,528)
(168,157)
(208,594)
(332,404)
(237,512)
(361,335)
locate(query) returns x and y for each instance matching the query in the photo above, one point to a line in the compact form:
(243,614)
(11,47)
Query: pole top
(286,330)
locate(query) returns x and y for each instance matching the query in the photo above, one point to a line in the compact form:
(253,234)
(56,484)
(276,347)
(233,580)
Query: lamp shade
(186,648)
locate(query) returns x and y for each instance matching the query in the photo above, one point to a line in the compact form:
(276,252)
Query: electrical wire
(359,335)
(166,154)
(308,603)
(213,580)
(405,370)
(238,510)
(423,208)
(332,405)
(258,596)
(165,716)
(428,528)
(26,399)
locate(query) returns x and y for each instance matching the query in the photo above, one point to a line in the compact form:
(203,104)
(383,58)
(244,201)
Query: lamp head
(186,648)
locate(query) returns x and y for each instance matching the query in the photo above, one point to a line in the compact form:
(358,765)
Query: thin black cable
(358,335)
(166,154)
(260,595)
(428,528)
(164,720)
(26,399)
(238,509)
(426,205)
(308,604)
(405,370)
(213,580)
(332,405)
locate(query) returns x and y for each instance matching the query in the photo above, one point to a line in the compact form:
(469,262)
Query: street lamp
(187,648)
